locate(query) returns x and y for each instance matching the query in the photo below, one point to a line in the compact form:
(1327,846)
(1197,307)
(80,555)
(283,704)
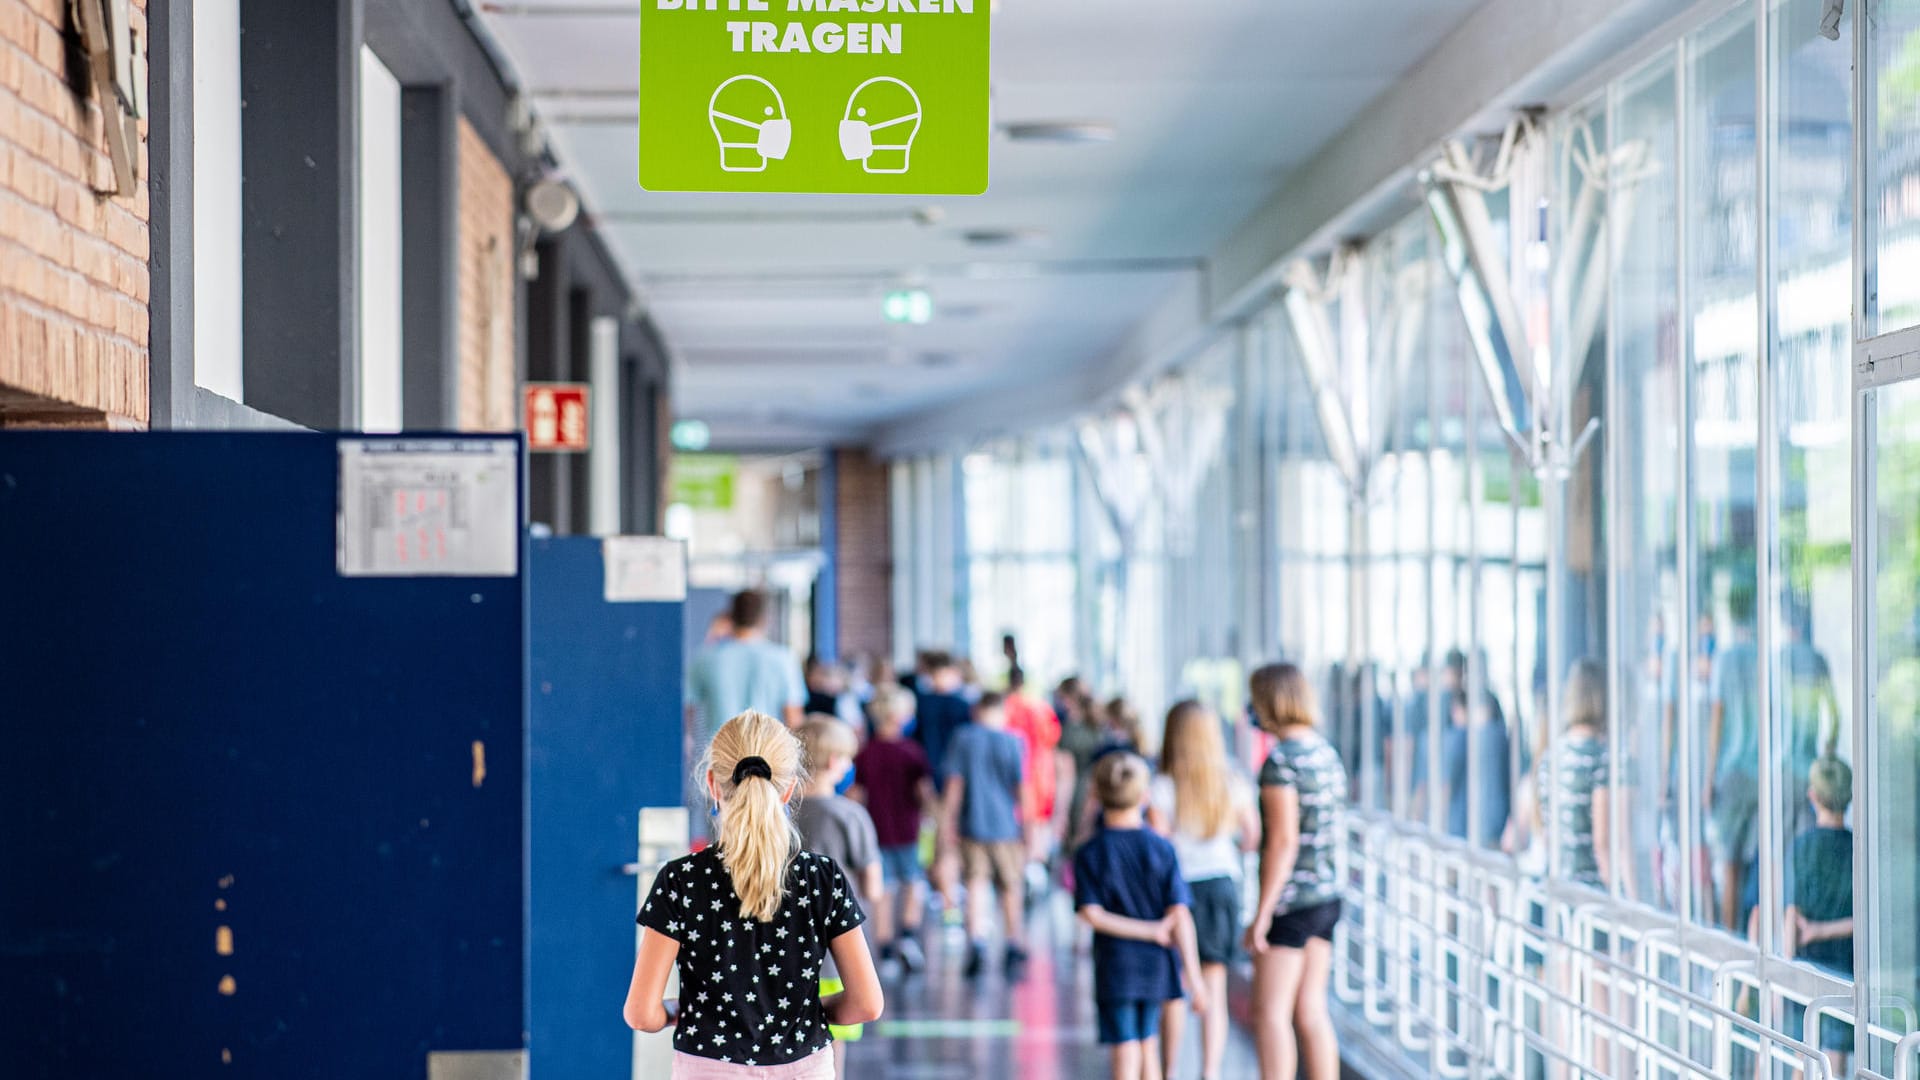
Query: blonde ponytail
(757,838)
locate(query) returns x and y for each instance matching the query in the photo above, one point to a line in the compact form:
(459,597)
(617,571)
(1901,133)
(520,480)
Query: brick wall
(486,287)
(73,261)
(864,555)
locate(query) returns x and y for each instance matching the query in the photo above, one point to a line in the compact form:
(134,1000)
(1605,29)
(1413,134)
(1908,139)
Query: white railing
(1460,965)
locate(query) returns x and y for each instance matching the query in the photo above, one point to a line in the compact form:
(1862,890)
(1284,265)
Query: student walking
(1207,812)
(893,780)
(833,825)
(1128,888)
(985,803)
(749,920)
(1303,786)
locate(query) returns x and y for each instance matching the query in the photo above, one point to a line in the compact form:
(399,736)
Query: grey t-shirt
(990,762)
(839,828)
(1311,766)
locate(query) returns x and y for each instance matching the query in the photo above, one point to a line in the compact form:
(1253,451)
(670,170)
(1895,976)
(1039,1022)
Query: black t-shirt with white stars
(750,990)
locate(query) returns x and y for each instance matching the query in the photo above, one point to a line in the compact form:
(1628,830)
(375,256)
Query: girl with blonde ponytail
(748,920)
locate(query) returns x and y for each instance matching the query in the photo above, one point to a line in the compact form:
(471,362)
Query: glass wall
(1587,649)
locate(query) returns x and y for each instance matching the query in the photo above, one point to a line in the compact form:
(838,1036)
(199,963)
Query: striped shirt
(1311,766)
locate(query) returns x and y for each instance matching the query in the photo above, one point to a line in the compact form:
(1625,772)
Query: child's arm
(645,1009)
(1826,931)
(1156,931)
(1185,939)
(955,796)
(1789,931)
(1280,810)
(872,887)
(862,1000)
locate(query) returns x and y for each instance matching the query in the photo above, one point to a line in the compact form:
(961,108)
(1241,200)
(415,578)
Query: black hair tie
(752,766)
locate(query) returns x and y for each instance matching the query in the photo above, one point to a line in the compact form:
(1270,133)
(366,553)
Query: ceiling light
(913,306)
(990,237)
(1059,131)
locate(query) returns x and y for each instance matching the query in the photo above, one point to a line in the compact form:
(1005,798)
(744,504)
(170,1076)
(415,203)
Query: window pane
(1641,219)
(1893,196)
(1812,249)
(1893,955)
(1720,278)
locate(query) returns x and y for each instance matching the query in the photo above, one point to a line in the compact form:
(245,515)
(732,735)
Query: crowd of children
(850,813)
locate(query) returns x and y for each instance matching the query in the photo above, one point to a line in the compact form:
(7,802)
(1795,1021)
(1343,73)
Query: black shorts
(1216,918)
(1293,929)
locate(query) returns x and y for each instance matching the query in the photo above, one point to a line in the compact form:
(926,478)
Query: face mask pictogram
(749,119)
(882,119)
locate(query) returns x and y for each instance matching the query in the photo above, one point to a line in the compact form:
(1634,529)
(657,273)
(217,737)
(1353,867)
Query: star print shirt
(749,990)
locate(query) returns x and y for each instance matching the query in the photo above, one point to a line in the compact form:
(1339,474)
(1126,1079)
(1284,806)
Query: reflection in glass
(1811,223)
(1893,955)
(1893,196)
(1642,221)
(1720,203)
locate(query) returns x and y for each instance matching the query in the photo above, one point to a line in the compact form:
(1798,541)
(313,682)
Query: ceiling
(772,304)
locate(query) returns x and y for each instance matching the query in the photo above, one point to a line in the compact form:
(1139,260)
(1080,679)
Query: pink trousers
(815,1066)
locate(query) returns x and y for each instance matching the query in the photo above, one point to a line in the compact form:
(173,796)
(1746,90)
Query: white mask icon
(749,119)
(881,105)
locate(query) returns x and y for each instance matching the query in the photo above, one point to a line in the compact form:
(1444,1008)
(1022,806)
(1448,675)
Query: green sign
(702,481)
(824,96)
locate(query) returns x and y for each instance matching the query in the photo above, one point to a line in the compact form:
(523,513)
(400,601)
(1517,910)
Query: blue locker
(209,727)
(606,732)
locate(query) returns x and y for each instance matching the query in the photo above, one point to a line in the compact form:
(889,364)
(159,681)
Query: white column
(216,198)
(603,456)
(381,344)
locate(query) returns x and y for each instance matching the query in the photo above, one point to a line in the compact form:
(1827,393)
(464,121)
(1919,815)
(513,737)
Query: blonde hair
(823,738)
(1194,756)
(891,705)
(757,838)
(1120,781)
(1583,701)
(1282,698)
(1831,781)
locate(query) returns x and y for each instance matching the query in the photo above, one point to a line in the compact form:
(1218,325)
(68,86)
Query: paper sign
(640,569)
(428,507)
(818,96)
(556,416)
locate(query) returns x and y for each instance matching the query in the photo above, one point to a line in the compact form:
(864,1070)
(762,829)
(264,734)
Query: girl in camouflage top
(1303,787)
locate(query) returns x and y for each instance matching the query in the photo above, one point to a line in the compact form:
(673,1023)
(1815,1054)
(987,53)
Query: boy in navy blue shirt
(1128,887)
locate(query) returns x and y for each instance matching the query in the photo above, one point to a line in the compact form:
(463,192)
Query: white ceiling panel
(772,304)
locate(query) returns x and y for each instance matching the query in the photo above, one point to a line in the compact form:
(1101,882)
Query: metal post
(1765,524)
(1686,798)
(1865,264)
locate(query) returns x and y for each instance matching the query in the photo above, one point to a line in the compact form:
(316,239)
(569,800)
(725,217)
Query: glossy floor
(942,1026)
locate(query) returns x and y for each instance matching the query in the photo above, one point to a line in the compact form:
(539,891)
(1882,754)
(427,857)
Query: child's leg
(1276,987)
(1126,1060)
(1173,1025)
(1150,1058)
(1215,1024)
(913,903)
(1319,1047)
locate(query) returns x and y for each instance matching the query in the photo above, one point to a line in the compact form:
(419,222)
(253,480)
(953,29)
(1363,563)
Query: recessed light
(1059,131)
(991,237)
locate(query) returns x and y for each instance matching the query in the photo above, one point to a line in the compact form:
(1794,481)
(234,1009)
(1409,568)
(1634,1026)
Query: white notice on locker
(644,568)
(429,508)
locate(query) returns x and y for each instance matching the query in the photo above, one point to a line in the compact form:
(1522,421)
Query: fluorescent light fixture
(912,306)
(1059,131)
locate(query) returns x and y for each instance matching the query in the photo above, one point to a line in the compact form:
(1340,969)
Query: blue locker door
(256,819)
(605,740)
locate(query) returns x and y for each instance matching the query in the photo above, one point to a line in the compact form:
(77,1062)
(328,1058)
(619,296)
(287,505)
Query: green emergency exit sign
(885,97)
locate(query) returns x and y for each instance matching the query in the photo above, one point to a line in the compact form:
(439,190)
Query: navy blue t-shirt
(935,718)
(1131,872)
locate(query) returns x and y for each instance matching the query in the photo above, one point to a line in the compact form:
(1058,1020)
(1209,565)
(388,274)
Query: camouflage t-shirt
(1579,769)
(1311,766)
